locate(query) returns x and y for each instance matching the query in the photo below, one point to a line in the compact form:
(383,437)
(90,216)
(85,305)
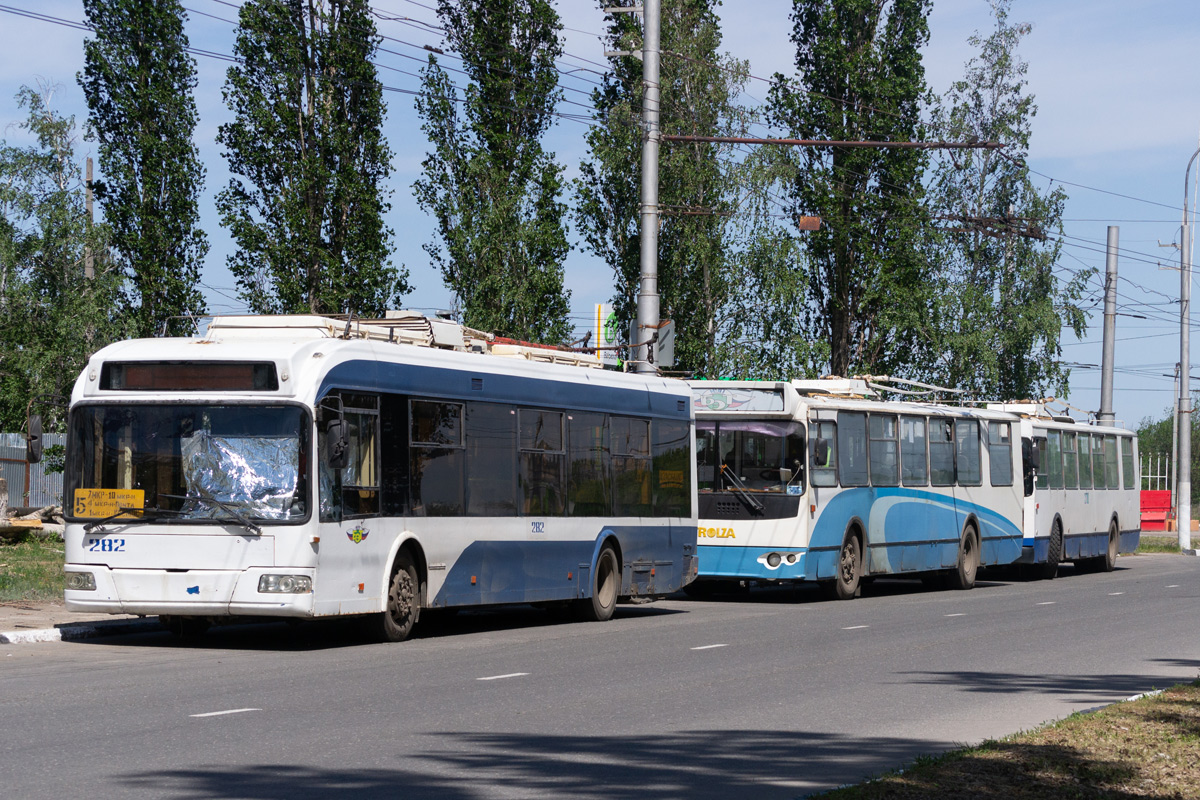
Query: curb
(75,631)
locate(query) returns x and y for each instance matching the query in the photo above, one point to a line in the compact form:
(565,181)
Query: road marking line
(223,713)
(1049,603)
(1114,594)
(855,627)
(956,615)
(1173,586)
(502,677)
(710,646)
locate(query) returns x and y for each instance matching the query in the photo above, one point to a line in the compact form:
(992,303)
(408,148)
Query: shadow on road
(714,764)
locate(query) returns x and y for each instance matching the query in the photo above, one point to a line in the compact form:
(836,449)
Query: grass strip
(31,570)
(1144,748)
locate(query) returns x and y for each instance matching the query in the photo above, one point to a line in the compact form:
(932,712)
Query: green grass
(1159,543)
(31,570)
(1146,748)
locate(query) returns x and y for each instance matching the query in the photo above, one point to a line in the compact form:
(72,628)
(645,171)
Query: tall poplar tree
(860,77)
(138,80)
(697,181)
(306,148)
(493,190)
(1001,310)
(52,317)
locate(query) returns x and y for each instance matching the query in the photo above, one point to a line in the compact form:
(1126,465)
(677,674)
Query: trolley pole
(1185,371)
(1106,415)
(647,303)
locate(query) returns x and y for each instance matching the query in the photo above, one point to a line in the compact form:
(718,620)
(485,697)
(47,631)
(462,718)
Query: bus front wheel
(403,602)
(848,582)
(606,586)
(967,568)
(1048,570)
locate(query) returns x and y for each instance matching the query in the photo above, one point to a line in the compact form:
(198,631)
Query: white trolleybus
(818,481)
(301,466)
(1082,499)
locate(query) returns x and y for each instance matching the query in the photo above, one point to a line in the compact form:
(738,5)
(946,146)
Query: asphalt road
(774,694)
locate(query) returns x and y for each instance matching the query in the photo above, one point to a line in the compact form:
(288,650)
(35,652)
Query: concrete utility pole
(1106,415)
(647,304)
(1185,371)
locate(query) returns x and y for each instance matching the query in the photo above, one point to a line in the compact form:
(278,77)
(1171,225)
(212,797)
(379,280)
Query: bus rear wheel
(403,602)
(606,587)
(963,576)
(1109,562)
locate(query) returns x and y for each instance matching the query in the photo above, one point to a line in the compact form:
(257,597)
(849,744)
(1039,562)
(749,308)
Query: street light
(1184,517)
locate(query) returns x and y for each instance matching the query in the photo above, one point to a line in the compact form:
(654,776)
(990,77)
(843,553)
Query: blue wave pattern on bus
(897,519)
(531,571)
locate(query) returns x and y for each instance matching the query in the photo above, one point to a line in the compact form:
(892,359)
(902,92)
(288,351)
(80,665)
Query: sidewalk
(51,622)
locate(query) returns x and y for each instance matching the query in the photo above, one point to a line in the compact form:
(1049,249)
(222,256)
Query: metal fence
(28,484)
(1156,471)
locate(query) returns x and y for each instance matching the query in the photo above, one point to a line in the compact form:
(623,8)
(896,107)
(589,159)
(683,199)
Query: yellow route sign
(106,502)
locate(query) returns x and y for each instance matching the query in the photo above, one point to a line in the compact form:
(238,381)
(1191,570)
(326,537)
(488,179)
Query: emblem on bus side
(357,534)
(716,533)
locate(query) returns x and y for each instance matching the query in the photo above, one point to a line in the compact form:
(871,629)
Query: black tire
(403,602)
(1048,570)
(1109,562)
(963,576)
(606,588)
(184,627)
(847,584)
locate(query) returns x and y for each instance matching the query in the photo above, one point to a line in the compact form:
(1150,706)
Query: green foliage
(51,317)
(492,189)
(138,80)
(697,181)
(1000,309)
(861,78)
(306,204)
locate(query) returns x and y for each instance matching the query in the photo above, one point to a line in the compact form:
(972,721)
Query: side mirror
(821,453)
(33,440)
(337,444)
(785,475)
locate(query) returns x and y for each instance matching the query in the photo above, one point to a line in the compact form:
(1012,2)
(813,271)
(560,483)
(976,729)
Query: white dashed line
(710,646)
(223,713)
(1114,594)
(502,677)
(855,627)
(1048,603)
(1173,586)
(956,615)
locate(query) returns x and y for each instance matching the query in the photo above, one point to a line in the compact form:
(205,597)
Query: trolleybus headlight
(773,560)
(285,584)
(81,581)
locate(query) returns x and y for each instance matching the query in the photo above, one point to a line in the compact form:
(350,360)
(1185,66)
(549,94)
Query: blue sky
(1119,114)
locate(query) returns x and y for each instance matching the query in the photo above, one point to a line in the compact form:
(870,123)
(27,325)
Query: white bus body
(466,478)
(824,484)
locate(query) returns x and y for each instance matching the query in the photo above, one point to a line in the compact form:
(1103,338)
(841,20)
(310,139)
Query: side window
(823,435)
(1053,464)
(914,464)
(941,452)
(706,455)
(631,466)
(1098,461)
(543,462)
(1070,461)
(1111,477)
(436,458)
(884,451)
(852,448)
(589,475)
(491,464)
(360,478)
(1129,477)
(970,462)
(672,469)
(1084,443)
(1043,459)
(1000,453)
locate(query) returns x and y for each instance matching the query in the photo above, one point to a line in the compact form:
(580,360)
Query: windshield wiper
(740,490)
(98,525)
(233,512)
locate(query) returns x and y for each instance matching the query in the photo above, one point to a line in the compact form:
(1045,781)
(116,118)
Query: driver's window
(823,450)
